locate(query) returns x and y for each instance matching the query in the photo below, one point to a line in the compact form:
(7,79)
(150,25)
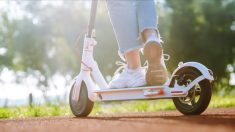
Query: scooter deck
(139,93)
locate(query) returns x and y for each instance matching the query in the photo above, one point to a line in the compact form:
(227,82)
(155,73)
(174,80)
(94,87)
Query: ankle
(130,67)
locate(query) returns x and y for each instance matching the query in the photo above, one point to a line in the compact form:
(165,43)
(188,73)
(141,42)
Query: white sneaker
(129,78)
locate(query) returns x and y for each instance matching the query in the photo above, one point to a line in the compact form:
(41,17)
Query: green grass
(111,107)
(222,102)
(156,105)
(35,111)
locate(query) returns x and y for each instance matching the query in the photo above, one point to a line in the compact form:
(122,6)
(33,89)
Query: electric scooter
(189,86)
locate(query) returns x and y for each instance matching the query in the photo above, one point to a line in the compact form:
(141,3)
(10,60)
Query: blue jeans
(129,19)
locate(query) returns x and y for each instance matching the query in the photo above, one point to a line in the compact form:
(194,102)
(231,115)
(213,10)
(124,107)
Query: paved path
(213,120)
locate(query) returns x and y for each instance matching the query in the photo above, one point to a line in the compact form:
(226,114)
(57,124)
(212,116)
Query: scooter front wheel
(83,106)
(198,97)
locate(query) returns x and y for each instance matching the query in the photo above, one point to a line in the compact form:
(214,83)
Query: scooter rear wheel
(198,97)
(83,106)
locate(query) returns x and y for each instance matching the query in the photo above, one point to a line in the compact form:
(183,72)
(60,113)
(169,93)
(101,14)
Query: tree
(201,31)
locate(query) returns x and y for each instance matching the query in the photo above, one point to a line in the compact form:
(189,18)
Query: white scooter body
(98,89)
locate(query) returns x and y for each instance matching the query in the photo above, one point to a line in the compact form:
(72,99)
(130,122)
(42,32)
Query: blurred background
(41,44)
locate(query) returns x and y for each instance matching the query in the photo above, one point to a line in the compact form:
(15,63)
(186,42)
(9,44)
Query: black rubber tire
(83,106)
(205,94)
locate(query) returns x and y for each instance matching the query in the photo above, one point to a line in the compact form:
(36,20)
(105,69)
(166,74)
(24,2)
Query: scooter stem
(92,18)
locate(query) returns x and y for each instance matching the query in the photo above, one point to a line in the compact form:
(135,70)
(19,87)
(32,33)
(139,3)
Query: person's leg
(124,21)
(147,18)
(133,59)
(125,24)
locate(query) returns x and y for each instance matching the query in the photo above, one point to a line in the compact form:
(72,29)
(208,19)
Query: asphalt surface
(212,120)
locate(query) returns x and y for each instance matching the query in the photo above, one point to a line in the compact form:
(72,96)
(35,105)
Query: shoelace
(166,57)
(121,65)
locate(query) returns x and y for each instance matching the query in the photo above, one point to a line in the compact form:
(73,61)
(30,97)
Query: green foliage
(201,31)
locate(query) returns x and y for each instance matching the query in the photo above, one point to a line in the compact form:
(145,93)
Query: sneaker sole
(156,73)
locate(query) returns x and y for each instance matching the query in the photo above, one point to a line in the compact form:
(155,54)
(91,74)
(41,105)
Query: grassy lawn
(111,107)
(155,105)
